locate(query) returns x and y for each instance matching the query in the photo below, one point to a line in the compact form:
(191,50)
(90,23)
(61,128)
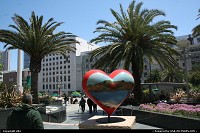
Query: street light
(184,44)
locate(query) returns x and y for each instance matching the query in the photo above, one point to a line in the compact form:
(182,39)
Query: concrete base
(102,122)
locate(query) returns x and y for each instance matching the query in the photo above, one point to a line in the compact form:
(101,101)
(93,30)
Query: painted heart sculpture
(108,91)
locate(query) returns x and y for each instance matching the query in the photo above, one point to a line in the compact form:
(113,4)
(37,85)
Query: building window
(69,86)
(198,40)
(145,74)
(145,67)
(68,78)
(54,86)
(10,79)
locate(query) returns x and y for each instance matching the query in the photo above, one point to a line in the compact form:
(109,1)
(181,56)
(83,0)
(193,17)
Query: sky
(80,16)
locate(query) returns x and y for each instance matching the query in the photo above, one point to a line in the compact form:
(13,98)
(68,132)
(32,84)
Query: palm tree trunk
(34,86)
(137,88)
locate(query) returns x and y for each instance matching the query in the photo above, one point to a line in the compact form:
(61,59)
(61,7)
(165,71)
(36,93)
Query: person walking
(65,99)
(82,104)
(94,107)
(25,116)
(90,104)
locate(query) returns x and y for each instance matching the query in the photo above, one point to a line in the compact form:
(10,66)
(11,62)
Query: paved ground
(75,116)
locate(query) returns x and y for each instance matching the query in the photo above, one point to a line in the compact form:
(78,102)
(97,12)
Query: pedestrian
(94,107)
(65,99)
(75,101)
(82,104)
(71,100)
(90,104)
(25,116)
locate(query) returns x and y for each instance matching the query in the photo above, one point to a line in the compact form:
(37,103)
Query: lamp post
(184,44)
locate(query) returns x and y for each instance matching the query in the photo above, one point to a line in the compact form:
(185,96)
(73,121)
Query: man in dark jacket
(25,116)
(90,104)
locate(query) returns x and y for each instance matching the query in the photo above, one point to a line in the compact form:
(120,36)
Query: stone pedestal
(101,122)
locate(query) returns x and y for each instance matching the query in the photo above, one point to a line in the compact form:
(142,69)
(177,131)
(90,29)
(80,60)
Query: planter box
(56,102)
(57,116)
(165,121)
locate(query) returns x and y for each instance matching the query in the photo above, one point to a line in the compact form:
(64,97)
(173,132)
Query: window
(54,86)
(198,39)
(10,79)
(69,86)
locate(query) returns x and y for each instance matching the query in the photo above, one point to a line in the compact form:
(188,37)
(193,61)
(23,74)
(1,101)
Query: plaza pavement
(75,116)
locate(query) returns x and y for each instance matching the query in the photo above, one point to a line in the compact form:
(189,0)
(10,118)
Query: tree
(154,76)
(37,40)
(194,75)
(175,75)
(130,38)
(196,29)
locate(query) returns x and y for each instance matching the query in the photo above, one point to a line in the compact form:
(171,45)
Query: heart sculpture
(108,91)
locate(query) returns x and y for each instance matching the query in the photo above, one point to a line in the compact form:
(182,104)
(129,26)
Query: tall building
(59,74)
(5,60)
(192,56)
(26,61)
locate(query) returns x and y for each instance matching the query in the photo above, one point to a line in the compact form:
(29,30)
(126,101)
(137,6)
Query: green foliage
(196,29)
(154,77)
(194,77)
(173,74)
(131,37)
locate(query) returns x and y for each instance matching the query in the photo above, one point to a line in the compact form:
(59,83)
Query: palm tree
(132,37)
(175,75)
(196,29)
(37,40)
(154,76)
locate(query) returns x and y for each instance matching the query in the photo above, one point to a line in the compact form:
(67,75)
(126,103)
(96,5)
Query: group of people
(92,106)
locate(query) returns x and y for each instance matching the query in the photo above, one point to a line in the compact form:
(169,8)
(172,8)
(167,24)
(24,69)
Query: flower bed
(149,114)
(174,109)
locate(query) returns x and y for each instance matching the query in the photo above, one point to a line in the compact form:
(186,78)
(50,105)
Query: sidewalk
(75,116)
